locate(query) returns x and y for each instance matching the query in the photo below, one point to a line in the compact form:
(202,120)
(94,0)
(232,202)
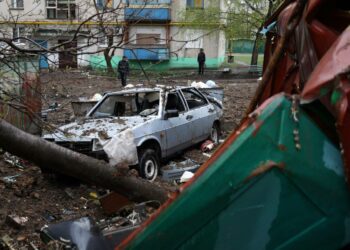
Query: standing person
(123,69)
(201,62)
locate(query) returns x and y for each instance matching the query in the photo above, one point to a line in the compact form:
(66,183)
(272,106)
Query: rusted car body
(316,63)
(144,124)
(281,179)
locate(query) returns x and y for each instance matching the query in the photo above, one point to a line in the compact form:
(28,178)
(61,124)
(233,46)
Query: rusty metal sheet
(334,63)
(313,37)
(25,111)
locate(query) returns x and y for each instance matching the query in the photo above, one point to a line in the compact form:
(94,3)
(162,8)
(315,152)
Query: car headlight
(96,145)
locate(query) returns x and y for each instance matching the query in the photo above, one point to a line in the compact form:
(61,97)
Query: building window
(105,37)
(195,3)
(17,4)
(147,39)
(104,4)
(18,32)
(102,40)
(61,9)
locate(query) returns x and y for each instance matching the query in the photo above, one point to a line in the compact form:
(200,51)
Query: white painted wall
(35,10)
(147,30)
(213,43)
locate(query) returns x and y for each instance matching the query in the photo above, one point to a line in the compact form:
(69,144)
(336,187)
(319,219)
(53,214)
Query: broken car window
(148,103)
(116,105)
(193,98)
(133,104)
(174,102)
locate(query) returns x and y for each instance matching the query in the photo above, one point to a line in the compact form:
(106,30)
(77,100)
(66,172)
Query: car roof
(146,89)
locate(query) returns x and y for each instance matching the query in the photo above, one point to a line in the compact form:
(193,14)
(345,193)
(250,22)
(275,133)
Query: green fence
(245,46)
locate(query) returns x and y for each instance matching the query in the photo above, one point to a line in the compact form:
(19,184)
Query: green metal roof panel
(262,192)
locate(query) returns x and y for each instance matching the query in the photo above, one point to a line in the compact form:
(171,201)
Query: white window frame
(54,5)
(18,32)
(102,41)
(15,4)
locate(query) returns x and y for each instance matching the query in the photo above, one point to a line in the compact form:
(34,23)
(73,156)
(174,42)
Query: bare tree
(17,42)
(101,30)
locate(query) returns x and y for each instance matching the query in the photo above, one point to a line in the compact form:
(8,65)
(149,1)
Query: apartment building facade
(149,32)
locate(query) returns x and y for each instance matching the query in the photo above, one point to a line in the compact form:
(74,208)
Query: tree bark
(48,155)
(255,52)
(107,55)
(108,59)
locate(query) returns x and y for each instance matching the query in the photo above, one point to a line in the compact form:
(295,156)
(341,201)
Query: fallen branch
(50,156)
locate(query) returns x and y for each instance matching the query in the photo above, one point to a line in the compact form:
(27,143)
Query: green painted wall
(98,62)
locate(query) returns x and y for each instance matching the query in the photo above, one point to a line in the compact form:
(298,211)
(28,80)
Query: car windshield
(134,104)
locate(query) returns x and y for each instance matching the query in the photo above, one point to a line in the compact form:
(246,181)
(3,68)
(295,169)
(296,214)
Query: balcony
(144,14)
(147,2)
(147,10)
(147,54)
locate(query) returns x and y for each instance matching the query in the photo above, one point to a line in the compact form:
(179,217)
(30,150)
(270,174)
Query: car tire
(215,133)
(148,164)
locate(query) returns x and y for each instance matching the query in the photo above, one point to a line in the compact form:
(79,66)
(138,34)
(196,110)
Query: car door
(178,130)
(201,114)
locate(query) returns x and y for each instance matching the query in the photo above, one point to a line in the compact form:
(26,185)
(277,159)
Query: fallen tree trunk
(50,156)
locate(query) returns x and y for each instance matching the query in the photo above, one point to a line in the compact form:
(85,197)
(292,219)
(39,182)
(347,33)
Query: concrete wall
(183,55)
(35,10)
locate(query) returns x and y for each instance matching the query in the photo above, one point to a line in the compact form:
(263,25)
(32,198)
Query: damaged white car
(140,127)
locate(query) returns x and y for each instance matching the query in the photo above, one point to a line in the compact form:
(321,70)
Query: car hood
(102,128)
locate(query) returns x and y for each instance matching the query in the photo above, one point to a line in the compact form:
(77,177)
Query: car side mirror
(171,113)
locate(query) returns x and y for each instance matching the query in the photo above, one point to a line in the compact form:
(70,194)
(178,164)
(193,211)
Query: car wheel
(148,164)
(215,133)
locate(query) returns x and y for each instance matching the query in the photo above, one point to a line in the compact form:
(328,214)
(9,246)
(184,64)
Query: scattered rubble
(16,221)
(174,170)
(207,146)
(186,176)
(113,202)
(54,200)
(14,160)
(103,234)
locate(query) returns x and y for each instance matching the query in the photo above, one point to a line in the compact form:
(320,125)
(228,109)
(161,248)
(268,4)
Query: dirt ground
(42,200)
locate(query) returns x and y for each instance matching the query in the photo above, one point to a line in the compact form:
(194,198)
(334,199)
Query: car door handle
(189,117)
(211,110)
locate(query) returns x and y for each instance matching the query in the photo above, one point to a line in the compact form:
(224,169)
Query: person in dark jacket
(201,62)
(123,69)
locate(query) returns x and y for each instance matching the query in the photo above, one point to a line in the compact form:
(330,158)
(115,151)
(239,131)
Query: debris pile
(103,234)
(40,213)
(34,201)
(175,169)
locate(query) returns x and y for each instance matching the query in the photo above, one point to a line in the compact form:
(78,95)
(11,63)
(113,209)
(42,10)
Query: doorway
(67,58)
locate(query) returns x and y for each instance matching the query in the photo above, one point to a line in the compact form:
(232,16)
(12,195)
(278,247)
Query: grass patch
(246,58)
